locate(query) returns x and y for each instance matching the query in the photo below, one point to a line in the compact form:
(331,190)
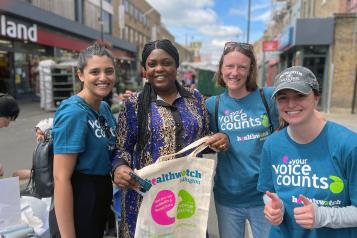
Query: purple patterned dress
(170,128)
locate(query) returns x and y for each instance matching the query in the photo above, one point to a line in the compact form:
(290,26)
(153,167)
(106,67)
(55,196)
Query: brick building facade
(321,35)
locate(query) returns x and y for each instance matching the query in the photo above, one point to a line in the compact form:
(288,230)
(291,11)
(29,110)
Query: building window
(126,5)
(131,39)
(78,11)
(137,14)
(131,9)
(136,37)
(126,33)
(107,22)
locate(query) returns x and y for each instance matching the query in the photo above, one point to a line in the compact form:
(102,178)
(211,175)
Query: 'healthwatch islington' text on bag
(177,204)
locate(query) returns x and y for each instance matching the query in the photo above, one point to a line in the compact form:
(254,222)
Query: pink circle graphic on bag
(164,201)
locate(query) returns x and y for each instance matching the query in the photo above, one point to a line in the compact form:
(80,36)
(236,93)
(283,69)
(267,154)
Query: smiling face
(235,71)
(296,108)
(98,77)
(161,71)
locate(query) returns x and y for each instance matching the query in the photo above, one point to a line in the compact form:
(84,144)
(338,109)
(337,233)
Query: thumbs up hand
(305,215)
(273,210)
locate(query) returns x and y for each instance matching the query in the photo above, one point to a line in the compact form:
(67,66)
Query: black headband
(165,45)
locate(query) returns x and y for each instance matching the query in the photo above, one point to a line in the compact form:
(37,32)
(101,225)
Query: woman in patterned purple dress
(162,119)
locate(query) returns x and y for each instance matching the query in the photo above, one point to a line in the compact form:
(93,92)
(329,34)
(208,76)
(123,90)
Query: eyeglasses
(104,126)
(230,45)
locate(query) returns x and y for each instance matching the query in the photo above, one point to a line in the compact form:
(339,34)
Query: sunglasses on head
(104,126)
(233,44)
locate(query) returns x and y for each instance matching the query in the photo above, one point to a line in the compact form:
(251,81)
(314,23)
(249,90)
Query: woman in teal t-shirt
(243,117)
(308,169)
(83,143)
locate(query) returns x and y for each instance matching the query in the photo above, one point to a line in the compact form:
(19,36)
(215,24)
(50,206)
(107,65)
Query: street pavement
(17,143)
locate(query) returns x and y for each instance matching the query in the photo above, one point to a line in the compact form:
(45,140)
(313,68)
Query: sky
(213,22)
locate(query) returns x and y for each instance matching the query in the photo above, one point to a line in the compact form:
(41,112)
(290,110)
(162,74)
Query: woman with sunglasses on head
(83,143)
(240,113)
(308,169)
(160,120)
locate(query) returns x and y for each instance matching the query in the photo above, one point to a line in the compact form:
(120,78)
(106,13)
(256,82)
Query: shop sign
(12,29)
(196,45)
(270,45)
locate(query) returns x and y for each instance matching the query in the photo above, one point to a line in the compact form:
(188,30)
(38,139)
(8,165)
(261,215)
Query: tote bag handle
(198,144)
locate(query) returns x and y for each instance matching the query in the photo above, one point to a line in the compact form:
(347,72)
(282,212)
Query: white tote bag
(177,204)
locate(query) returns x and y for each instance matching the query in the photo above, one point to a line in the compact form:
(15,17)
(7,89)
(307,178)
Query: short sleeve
(351,164)
(69,131)
(344,152)
(210,108)
(274,114)
(265,181)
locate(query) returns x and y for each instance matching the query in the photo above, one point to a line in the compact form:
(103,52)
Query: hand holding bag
(177,204)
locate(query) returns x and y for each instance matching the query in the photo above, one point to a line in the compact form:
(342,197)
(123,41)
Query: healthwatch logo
(298,173)
(186,175)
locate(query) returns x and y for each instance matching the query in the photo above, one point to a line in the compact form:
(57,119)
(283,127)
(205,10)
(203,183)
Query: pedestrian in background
(160,120)
(9,110)
(40,129)
(308,169)
(240,112)
(83,142)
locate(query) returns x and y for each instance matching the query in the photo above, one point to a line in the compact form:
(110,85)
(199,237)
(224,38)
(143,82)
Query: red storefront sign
(270,45)
(61,41)
(70,43)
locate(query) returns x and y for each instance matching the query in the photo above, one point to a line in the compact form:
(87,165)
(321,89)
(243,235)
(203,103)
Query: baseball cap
(297,78)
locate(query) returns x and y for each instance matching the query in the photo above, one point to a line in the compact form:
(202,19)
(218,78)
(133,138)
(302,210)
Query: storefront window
(65,55)
(107,22)
(25,79)
(4,72)
(5,43)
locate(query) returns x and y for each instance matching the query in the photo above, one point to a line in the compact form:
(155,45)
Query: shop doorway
(25,80)
(5,73)
(317,66)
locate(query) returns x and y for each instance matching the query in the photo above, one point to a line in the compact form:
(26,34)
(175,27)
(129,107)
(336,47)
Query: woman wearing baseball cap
(308,169)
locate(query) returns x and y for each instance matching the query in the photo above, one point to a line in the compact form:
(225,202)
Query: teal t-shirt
(76,130)
(324,170)
(245,122)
